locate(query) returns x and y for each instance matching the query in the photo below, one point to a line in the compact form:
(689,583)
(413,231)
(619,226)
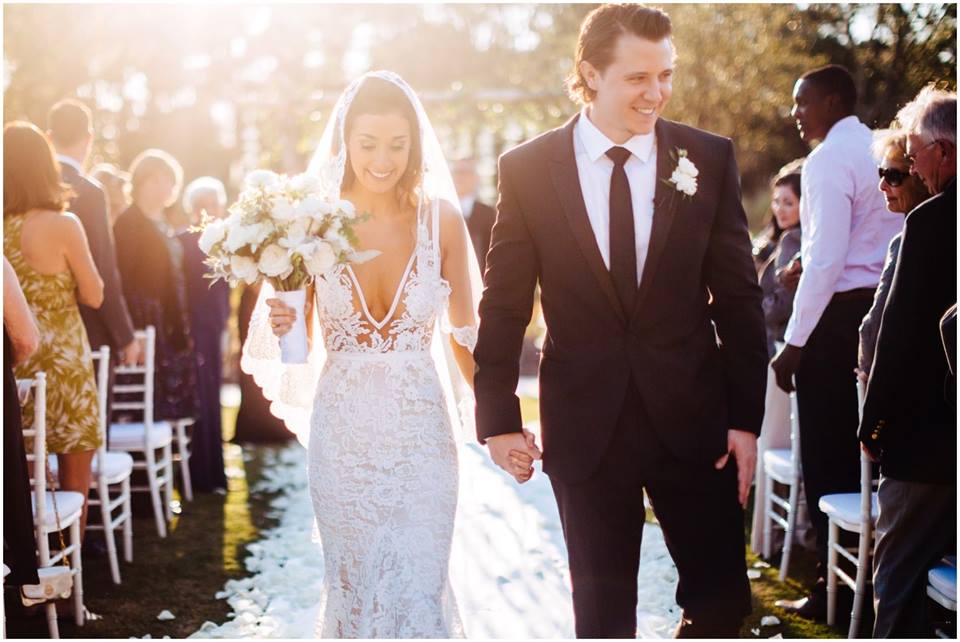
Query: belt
(854,295)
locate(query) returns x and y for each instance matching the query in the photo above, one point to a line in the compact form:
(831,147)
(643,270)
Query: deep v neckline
(396,296)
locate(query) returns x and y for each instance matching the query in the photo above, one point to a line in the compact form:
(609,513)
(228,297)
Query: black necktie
(623,248)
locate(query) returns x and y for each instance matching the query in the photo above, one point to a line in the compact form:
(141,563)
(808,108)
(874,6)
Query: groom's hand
(785,365)
(515,452)
(743,446)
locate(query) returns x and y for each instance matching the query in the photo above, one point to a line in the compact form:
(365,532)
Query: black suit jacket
(694,344)
(109,324)
(906,415)
(480,224)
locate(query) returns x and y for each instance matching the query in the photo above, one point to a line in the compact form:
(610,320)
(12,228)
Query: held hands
(514,452)
(281,317)
(743,446)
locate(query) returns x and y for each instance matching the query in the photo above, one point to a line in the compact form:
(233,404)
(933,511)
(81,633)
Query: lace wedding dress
(376,404)
(382,460)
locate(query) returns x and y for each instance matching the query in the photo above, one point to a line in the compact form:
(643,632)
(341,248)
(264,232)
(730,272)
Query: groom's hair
(834,80)
(598,39)
(68,121)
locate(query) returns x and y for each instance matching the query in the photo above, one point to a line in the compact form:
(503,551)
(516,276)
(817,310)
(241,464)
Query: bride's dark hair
(379,97)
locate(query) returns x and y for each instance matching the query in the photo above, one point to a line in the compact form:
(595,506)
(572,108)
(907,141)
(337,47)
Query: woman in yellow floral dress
(48,250)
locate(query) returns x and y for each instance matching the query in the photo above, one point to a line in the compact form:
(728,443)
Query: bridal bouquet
(287,230)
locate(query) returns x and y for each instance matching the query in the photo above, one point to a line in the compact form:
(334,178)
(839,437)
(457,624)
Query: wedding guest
(479,215)
(845,233)
(782,242)
(255,424)
(209,310)
(903,191)
(150,259)
(908,422)
(116,185)
(21,338)
(69,125)
(48,250)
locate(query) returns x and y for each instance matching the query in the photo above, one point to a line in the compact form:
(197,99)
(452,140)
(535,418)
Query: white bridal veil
(291,387)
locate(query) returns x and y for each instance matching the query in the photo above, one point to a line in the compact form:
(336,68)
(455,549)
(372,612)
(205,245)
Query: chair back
(134,387)
(37,457)
(101,360)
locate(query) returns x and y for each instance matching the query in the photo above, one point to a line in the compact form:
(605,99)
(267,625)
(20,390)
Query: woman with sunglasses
(903,192)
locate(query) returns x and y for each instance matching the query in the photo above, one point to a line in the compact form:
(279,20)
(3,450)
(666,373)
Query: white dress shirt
(595,170)
(845,225)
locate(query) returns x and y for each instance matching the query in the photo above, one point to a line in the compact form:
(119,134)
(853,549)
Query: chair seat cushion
(116,466)
(69,505)
(845,507)
(132,436)
(943,577)
(776,461)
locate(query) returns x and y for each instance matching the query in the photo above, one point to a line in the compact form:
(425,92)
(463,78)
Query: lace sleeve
(289,387)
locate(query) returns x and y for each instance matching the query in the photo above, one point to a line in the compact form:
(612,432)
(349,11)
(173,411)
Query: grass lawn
(207,546)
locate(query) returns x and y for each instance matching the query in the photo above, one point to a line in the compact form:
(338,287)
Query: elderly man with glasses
(909,418)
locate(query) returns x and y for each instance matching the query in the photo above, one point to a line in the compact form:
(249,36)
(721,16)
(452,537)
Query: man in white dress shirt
(846,231)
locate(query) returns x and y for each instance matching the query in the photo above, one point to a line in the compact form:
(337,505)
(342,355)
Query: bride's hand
(281,317)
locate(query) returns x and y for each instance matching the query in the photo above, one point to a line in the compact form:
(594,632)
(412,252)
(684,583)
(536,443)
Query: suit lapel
(665,201)
(566,182)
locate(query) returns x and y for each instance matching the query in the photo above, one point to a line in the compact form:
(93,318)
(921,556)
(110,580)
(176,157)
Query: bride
(377,402)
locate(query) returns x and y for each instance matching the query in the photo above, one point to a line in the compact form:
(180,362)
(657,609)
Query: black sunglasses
(893,176)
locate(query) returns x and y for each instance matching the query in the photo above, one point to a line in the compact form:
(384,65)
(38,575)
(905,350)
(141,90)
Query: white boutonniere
(684,177)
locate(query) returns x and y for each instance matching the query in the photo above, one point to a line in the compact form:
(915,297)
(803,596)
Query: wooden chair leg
(789,534)
(52,627)
(107,517)
(153,482)
(183,447)
(168,485)
(767,520)
(128,522)
(75,560)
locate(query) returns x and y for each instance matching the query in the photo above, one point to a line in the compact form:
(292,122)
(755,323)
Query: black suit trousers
(603,519)
(827,403)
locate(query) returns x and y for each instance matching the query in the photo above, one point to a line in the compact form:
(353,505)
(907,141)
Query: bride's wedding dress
(382,459)
(376,403)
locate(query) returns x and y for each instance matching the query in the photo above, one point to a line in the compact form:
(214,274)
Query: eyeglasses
(893,176)
(912,158)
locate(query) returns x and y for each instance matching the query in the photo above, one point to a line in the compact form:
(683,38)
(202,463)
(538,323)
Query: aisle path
(508,567)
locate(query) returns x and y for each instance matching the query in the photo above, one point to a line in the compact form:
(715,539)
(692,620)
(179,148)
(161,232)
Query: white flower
(275,261)
(335,237)
(684,177)
(304,183)
(313,206)
(282,209)
(241,235)
(296,233)
(261,178)
(212,234)
(244,268)
(684,183)
(346,208)
(318,257)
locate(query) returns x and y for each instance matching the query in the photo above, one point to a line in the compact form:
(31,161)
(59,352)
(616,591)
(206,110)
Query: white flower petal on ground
(166,615)
(502,529)
(754,574)
(769,620)
(760,564)
(261,178)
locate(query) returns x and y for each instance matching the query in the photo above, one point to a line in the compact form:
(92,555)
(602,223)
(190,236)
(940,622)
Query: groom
(654,363)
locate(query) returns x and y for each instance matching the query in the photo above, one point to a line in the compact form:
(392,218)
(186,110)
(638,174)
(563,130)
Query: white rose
(335,237)
(685,183)
(261,178)
(296,233)
(244,268)
(318,257)
(212,234)
(346,208)
(313,206)
(686,166)
(275,261)
(304,183)
(281,209)
(258,233)
(237,237)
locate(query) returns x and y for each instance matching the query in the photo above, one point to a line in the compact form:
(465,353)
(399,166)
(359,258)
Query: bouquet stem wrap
(293,345)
